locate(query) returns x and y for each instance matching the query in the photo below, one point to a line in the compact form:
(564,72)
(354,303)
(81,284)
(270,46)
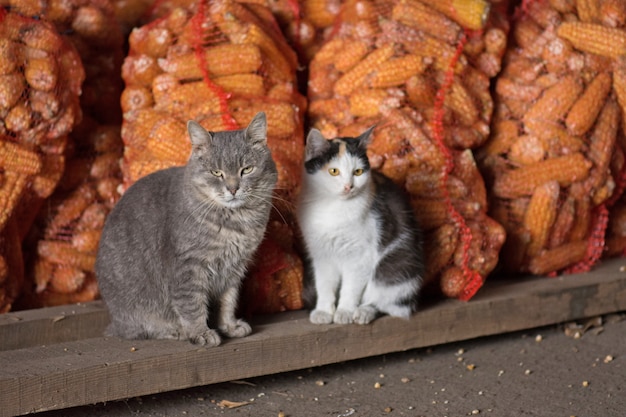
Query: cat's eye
(216,173)
(246,170)
(358,171)
(333,171)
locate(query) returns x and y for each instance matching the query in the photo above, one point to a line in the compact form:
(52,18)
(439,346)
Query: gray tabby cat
(178,243)
(360,232)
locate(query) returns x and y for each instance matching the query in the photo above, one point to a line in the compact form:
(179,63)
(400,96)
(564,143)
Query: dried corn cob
(169,142)
(526,150)
(566,170)
(462,103)
(66,279)
(540,216)
(587,10)
(471,14)
(321,13)
(421,17)
(586,109)
(17,158)
(439,249)
(563,223)
(135,98)
(354,78)
(594,38)
(504,133)
(397,71)
(351,53)
(368,102)
(245,84)
(556,101)
(11,189)
(64,254)
(11,88)
(555,259)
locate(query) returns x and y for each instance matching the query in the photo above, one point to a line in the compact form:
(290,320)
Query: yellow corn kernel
(584,112)
(225,59)
(522,181)
(397,71)
(459,100)
(281,59)
(354,78)
(14,157)
(11,190)
(244,84)
(368,102)
(169,142)
(540,216)
(594,38)
(351,54)
(329,51)
(587,10)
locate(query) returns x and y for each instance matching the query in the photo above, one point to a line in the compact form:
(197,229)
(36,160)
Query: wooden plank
(98,369)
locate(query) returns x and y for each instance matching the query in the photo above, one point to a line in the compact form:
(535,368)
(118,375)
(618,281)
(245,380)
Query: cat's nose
(233,190)
(347,187)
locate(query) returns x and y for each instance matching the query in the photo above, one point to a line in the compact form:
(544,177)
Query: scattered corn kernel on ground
(567,370)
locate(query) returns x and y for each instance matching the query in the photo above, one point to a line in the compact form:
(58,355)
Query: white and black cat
(178,243)
(362,238)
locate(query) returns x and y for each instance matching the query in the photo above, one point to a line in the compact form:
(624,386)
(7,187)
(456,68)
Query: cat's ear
(316,144)
(256,132)
(366,137)
(199,136)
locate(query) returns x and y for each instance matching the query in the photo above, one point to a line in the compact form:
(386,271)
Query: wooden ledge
(55,357)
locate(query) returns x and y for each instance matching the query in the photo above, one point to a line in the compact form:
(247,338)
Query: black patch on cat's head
(320,151)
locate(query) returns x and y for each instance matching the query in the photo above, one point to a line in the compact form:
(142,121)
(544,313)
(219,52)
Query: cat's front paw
(321,317)
(343,316)
(208,338)
(237,328)
(364,314)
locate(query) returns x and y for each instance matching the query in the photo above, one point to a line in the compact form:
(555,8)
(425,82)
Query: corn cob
(14,157)
(150,40)
(281,117)
(245,84)
(540,216)
(11,190)
(504,133)
(64,254)
(135,98)
(11,88)
(169,142)
(439,248)
(395,168)
(565,169)
(329,51)
(189,100)
(556,101)
(285,69)
(290,283)
(420,92)
(441,52)
(587,10)
(397,71)
(225,59)
(594,38)
(619,82)
(46,181)
(66,279)
(556,139)
(462,103)
(526,150)
(321,13)
(563,223)
(354,78)
(421,17)
(555,259)
(107,189)
(140,70)
(367,102)
(613,13)
(8,53)
(352,52)
(471,14)
(105,165)
(584,112)
(453,281)
(433,213)
(509,87)
(19,119)
(39,35)
(603,136)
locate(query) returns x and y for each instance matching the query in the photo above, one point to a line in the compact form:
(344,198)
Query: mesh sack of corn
(420,71)
(555,159)
(60,249)
(218,63)
(40,81)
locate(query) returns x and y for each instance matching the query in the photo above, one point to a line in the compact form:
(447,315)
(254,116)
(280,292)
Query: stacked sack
(219,63)
(420,71)
(61,247)
(40,82)
(556,157)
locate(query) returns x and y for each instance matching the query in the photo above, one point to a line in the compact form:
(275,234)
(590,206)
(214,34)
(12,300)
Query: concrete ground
(572,369)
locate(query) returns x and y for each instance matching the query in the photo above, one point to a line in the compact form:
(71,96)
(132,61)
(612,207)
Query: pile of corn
(556,158)
(417,71)
(60,249)
(40,82)
(218,63)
